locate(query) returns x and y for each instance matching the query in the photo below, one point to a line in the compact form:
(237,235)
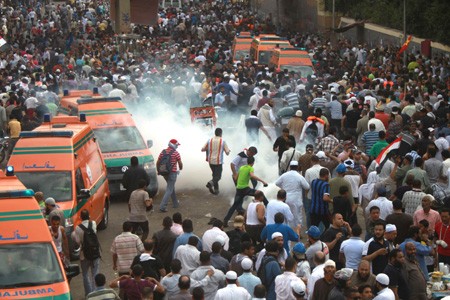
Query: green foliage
(424,18)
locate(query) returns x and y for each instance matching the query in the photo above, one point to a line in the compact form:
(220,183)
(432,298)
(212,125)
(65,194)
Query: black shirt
(341,205)
(281,143)
(397,279)
(380,262)
(329,235)
(352,118)
(151,265)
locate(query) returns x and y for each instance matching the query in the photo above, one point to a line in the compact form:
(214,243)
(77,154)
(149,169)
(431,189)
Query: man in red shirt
(171,178)
(442,234)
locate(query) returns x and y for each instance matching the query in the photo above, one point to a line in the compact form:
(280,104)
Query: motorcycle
(4,148)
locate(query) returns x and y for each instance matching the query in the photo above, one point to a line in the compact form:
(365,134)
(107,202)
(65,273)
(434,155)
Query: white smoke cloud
(160,122)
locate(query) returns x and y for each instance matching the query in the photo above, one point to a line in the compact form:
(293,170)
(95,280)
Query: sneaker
(163,210)
(216,192)
(210,187)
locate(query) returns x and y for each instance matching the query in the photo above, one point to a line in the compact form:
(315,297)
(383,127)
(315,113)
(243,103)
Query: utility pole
(404,31)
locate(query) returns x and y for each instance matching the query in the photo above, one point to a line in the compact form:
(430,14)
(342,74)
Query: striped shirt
(319,103)
(126,245)
(293,100)
(174,157)
(369,138)
(318,189)
(214,150)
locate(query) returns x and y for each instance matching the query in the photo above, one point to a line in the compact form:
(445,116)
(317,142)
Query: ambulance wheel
(104,223)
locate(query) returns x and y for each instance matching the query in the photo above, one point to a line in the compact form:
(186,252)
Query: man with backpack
(166,165)
(85,235)
(270,268)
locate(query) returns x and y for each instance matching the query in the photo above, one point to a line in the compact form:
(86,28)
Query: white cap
(439,96)
(294,163)
(321,154)
(330,263)
(276,234)
(382,279)
(298,287)
(391,228)
(231,275)
(246,264)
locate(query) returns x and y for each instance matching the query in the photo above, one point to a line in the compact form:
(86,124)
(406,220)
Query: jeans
(216,175)
(238,200)
(307,206)
(144,227)
(88,277)
(170,191)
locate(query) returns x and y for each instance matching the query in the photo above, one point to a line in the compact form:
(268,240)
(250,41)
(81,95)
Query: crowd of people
(367,133)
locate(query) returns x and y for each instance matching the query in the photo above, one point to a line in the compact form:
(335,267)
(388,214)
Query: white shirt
(232,291)
(303,269)
(384,204)
(293,183)
(31,103)
(289,155)
(117,93)
(209,237)
(218,279)
(311,174)
(283,288)
(316,274)
(352,249)
(276,206)
(189,257)
(378,125)
(385,294)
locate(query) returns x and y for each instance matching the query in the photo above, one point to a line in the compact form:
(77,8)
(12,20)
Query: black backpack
(262,270)
(164,167)
(312,130)
(90,245)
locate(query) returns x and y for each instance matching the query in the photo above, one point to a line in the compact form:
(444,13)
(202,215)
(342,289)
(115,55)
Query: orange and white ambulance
(30,266)
(118,137)
(62,159)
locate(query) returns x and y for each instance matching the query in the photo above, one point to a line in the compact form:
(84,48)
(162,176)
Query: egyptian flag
(4,46)
(404,46)
(388,151)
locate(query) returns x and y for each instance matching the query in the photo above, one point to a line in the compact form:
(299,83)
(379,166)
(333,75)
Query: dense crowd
(364,132)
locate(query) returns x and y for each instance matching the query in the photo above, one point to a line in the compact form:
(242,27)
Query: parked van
(292,59)
(241,46)
(262,46)
(118,137)
(62,159)
(30,266)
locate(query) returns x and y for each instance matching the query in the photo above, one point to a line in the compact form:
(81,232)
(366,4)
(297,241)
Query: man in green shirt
(243,189)
(379,146)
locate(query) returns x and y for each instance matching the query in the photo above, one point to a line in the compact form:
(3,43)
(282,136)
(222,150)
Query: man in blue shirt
(320,197)
(421,250)
(288,233)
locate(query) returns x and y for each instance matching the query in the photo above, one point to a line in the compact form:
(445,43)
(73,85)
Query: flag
(4,46)
(384,154)
(404,46)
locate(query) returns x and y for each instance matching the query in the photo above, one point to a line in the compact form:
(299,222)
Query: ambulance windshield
(119,139)
(57,185)
(24,265)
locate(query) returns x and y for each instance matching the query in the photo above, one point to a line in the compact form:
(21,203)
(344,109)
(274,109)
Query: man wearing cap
(342,284)
(247,280)
(51,209)
(294,184)
(288,233)
(295,125)
(215,148)
(232,291)
(315,245)
(298,290)
(323,286)
(237,235)
(283,281)
(303,269)
(382,202)
(339,181)
(176,163)
(382,284)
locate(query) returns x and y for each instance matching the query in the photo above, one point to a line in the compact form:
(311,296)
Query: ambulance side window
(79,181)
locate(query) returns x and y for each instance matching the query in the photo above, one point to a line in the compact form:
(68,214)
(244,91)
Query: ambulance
(292,59)
(118,137)
(262,46)
(30,266)
(62,159)
(241,46)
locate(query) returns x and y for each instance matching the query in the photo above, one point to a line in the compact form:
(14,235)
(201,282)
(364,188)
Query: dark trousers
(238,200)
(444,259)
(316,219)
(216,175)
(336,123)
(143,226)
